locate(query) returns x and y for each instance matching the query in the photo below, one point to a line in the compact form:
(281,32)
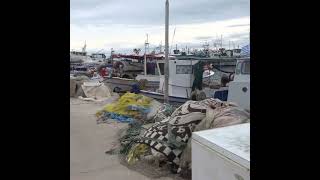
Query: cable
(221,70)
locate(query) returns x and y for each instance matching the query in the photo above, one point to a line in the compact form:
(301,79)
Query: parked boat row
(125,71)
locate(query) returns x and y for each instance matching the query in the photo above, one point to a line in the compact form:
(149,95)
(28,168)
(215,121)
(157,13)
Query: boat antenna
(100,50)
(148,42)
(174,32)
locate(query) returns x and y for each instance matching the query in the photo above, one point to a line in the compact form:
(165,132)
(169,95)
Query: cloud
(152,11)
(123,24)
(239,25)
(203,37)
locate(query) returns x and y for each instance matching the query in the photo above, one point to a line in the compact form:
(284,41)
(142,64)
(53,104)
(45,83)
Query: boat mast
(112,56)
(174,32)
(166,66)
(84,47)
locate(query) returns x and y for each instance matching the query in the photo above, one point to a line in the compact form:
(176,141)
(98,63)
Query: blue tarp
(222,95)
(245,51)
(118,117)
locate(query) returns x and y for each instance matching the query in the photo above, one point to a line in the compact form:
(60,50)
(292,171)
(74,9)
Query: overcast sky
(123,24)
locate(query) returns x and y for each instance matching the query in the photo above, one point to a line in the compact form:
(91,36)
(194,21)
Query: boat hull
(160,97)
(124,84)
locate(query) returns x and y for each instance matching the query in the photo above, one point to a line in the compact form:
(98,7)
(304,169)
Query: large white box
(221,153)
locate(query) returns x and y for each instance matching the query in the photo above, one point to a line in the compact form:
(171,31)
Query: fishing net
(198,76)
(129,104)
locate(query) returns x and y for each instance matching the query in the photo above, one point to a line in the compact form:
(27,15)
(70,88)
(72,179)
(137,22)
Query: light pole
(166,65)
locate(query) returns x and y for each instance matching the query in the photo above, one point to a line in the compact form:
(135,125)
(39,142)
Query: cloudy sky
(123,24)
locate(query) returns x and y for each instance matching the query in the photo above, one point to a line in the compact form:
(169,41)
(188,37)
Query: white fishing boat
(239,88)
(98,57)
(181,79)
(80,56)
(81,62)
(180,82)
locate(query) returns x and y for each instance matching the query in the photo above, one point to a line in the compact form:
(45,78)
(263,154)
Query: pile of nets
(129,107)
(218,114)
(75,85)
(168,140)
(163,112)
(136,128)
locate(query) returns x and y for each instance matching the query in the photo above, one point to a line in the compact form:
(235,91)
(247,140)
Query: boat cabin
(180,78)
(98,57)
(78,53)
(239,88)
(236,52)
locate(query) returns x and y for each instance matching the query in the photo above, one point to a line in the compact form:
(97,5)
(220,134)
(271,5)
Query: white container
(222,153)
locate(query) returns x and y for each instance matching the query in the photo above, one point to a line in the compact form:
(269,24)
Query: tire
(126,76)
(116,89)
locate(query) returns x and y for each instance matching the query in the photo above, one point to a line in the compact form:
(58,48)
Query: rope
(221,70)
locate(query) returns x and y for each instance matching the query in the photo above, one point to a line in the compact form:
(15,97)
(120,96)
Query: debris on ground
(95,91)
(75,85)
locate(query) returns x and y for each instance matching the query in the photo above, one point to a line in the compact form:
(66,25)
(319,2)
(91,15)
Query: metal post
(145,55)
(166,66)
(145,59)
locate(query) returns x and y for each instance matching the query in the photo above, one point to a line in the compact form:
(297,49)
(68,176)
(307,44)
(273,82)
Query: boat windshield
(245,67)
(184,69)
(161,66)
(237,50)
(78,53)
(98,56)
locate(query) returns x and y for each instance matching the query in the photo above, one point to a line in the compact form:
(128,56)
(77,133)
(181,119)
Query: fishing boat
(80,56)
(117,84)
(180,82)
(182,76)
(98,57)
(81,62)
(130,70)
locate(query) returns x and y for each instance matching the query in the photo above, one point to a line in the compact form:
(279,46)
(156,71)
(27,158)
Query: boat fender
(231,76)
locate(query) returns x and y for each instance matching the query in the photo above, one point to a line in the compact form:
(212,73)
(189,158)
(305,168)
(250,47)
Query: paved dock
(88,143)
